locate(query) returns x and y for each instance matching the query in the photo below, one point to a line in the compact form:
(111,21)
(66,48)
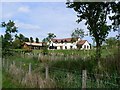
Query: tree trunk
(98,58)
(98,52)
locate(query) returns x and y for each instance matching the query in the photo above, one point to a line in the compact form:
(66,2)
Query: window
(61,47)
(55,47)
(71,47)
(87,47)
(65,47)
(65,41)
(84,46)
(80,46)
(56,41)
(61,41)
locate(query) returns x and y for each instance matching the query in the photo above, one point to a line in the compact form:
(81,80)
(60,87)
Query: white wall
(86,46)
(68,45)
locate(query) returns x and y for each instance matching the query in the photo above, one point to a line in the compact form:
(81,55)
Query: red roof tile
(64,40)
(81,42)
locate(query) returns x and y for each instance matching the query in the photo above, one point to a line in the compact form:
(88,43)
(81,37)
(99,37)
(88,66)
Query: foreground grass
(65,71)
(7,82)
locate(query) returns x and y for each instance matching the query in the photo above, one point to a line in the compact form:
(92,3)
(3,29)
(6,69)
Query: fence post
(38,56)
(30,68)
(20,65)
(84,78)
(46,72)
(13,62)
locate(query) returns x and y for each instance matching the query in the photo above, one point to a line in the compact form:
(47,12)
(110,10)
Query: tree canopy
(37,40)
(95,16)
(78,33)
(19,40)
(7,38)
(31,40)
(49,36)
(111,41)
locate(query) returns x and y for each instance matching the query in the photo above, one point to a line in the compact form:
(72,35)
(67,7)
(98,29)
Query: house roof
(64,40)
(34,44)
(81,42)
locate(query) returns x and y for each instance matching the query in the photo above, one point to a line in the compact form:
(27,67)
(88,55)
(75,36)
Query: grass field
(58,67)
(7,82)
(82,53)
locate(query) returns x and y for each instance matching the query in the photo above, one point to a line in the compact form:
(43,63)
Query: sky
(37,19)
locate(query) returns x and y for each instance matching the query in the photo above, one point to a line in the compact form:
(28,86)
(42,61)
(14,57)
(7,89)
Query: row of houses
(65,43)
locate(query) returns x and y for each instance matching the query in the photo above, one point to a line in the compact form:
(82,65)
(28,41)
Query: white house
(84,44)
(69,43)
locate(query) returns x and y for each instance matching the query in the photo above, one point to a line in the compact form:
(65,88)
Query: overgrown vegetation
(67,71)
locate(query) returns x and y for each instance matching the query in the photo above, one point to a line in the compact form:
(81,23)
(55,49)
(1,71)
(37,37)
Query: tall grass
(65,69)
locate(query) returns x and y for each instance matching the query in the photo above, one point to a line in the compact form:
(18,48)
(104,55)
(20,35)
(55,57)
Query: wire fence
(29,75)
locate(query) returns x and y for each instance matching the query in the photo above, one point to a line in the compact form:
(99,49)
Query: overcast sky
(37,19)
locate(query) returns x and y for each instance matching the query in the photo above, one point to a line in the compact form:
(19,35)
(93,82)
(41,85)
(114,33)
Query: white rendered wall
(87,44)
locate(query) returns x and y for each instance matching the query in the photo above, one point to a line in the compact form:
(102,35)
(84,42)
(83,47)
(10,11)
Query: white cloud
(26,26)
(24,9)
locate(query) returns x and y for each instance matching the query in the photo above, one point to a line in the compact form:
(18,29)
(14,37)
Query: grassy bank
(64,70)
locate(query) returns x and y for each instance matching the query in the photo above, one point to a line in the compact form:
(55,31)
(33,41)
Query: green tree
(44,40)
(37,40)
(111,42)
(16,44)
(50,36)
(95,16)
(115,8)
(47,39)
(26,39)
(19,40)
(1,37)
(7,39)
(78,33)
(21,37)
(31,40)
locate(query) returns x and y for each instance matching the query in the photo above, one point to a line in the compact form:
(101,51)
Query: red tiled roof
(81,42)
(64,39)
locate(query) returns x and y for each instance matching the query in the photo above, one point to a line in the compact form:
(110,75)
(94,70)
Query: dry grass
(33,80)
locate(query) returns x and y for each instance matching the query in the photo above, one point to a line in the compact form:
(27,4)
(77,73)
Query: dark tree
(19,40)
(7,39)
(26,39)
(111,41)
(16,44)
(78,33)
(44,40)
(49,37)
(31,40)
(37,40)
(95,16)
(21,37)
(115,8)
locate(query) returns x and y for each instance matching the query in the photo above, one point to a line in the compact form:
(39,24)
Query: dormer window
(65,41)
(62,41)
(56,41)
